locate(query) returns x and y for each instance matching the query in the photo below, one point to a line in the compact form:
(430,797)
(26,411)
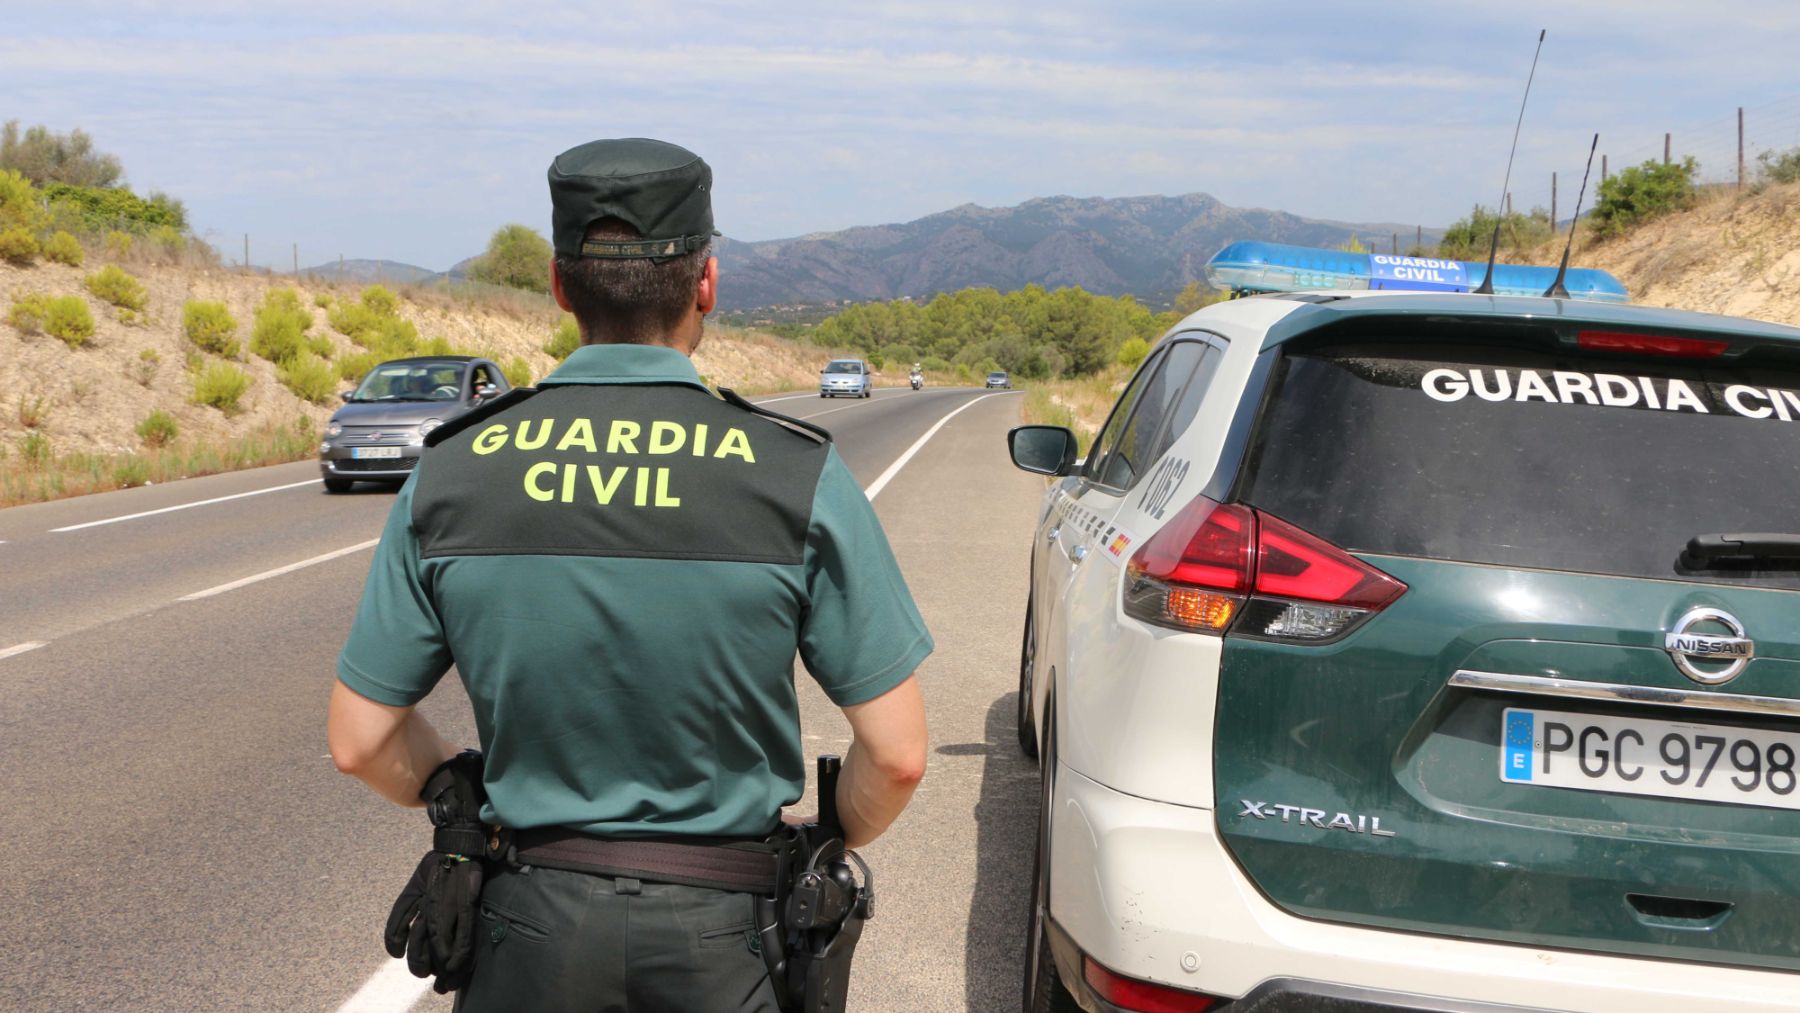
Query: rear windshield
(1529,458)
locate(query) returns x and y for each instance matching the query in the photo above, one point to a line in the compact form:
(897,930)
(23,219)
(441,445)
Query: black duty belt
(742,866)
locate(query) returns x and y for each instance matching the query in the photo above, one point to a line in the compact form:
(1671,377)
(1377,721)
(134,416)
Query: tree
(1469,238)
(46,157)
(516,257)
(1193,296)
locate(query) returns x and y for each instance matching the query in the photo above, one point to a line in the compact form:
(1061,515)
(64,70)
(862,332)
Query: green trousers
(552,941)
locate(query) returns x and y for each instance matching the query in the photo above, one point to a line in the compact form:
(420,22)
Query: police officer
(622,565)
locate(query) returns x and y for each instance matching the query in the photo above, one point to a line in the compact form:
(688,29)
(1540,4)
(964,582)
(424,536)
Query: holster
(810,928)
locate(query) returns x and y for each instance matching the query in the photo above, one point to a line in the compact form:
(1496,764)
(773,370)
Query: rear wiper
(1762,551)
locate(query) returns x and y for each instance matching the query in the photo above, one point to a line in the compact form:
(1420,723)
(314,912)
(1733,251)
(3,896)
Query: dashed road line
(388,990)
(184,506)
(887,476)
(278,571)
(30,645)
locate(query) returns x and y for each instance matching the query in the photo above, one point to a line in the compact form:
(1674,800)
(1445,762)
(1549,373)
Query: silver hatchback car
(379,433)
(845,376)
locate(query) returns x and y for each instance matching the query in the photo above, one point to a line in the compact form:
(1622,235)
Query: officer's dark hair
(629,301)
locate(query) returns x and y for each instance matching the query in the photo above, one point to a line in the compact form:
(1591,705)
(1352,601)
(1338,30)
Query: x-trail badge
(1709,646)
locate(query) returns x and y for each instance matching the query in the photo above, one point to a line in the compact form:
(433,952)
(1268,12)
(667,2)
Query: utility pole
(1553,201)
(1419,235)
(246,251)
(1602,168)
(1396,249)
(1666,139)
(296,260)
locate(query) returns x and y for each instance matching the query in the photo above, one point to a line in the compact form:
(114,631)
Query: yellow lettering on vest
(527,441)
(663,499)
(735,444)
(491,439)
(580,434)
(568,490)
(531,474)
(605,487)
(666,437)
(699,439)
(642,493)
(624,435)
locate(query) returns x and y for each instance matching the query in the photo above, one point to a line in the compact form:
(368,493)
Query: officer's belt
(738,865)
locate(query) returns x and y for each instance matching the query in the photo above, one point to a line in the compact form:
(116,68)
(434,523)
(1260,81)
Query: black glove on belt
(433,922)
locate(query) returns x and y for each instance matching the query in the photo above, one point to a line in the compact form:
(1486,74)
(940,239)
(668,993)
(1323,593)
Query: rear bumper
(1148,890)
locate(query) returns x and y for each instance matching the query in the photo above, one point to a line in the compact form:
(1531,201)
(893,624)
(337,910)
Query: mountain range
(1144,246)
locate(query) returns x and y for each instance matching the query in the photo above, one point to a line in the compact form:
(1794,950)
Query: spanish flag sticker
(1117,546)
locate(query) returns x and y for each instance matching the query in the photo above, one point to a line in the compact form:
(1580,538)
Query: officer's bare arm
(391,749)
(885,761)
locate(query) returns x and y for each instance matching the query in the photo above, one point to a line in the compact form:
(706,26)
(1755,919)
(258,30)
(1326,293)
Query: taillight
(1218,568)
(1142,996)
(1651,344)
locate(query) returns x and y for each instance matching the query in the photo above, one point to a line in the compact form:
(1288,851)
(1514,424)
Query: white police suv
(1421,650)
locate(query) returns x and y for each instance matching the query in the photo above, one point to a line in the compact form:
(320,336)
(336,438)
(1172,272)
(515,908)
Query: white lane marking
(389,990)
(30,645)
(887,476)
(278,571)
(790,397)
(185,506)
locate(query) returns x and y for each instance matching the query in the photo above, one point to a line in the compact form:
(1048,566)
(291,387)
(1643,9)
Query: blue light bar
(1250,266)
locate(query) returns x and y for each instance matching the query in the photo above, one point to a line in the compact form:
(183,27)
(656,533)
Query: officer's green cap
(663,190)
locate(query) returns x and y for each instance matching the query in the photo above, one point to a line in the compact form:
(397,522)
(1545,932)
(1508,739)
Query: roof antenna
(1487,283)
(1557,289)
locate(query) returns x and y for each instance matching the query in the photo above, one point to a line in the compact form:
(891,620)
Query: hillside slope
(1739,256)
(90,399)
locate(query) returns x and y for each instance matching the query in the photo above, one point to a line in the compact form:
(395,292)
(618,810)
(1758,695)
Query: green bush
(116,207)
(309,377)
(565,339)
(516,257)
(1779,166)
(381,300)
(1470,238)
(118,244)
(279,333)
(517,370)
(1132,352)
(119,288)
(158,429)
(210,326)
(321,345)
(220,385)
(439,345)
(19,203)
(322,300)
(1639,193)
(18,246)
(35,449)
(63,248)
(28,313)
(131,472)
(374,322)
(144,369)
(355,366)
(67,317)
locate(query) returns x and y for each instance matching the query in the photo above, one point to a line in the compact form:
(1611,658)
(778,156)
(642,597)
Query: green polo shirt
(622,568)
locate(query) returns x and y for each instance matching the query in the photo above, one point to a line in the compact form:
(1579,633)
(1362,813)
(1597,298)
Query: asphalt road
(178,839)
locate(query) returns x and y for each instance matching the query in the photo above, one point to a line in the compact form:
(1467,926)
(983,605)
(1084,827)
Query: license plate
(1644,756)
(366,453)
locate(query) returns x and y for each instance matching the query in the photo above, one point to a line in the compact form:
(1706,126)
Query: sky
(411,130)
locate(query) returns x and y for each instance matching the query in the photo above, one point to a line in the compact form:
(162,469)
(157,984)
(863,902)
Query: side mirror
(344,395)
(485,391)
(1042,450)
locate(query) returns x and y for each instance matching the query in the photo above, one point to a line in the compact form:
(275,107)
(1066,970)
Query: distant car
(998,380)
(379,433)
(845,376)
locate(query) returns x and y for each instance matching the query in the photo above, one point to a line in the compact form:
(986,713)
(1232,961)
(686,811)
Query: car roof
(1314,310)
(433,358)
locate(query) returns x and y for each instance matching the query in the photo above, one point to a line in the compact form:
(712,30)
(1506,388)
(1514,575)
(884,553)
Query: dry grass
(1079,404)
(32,475)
